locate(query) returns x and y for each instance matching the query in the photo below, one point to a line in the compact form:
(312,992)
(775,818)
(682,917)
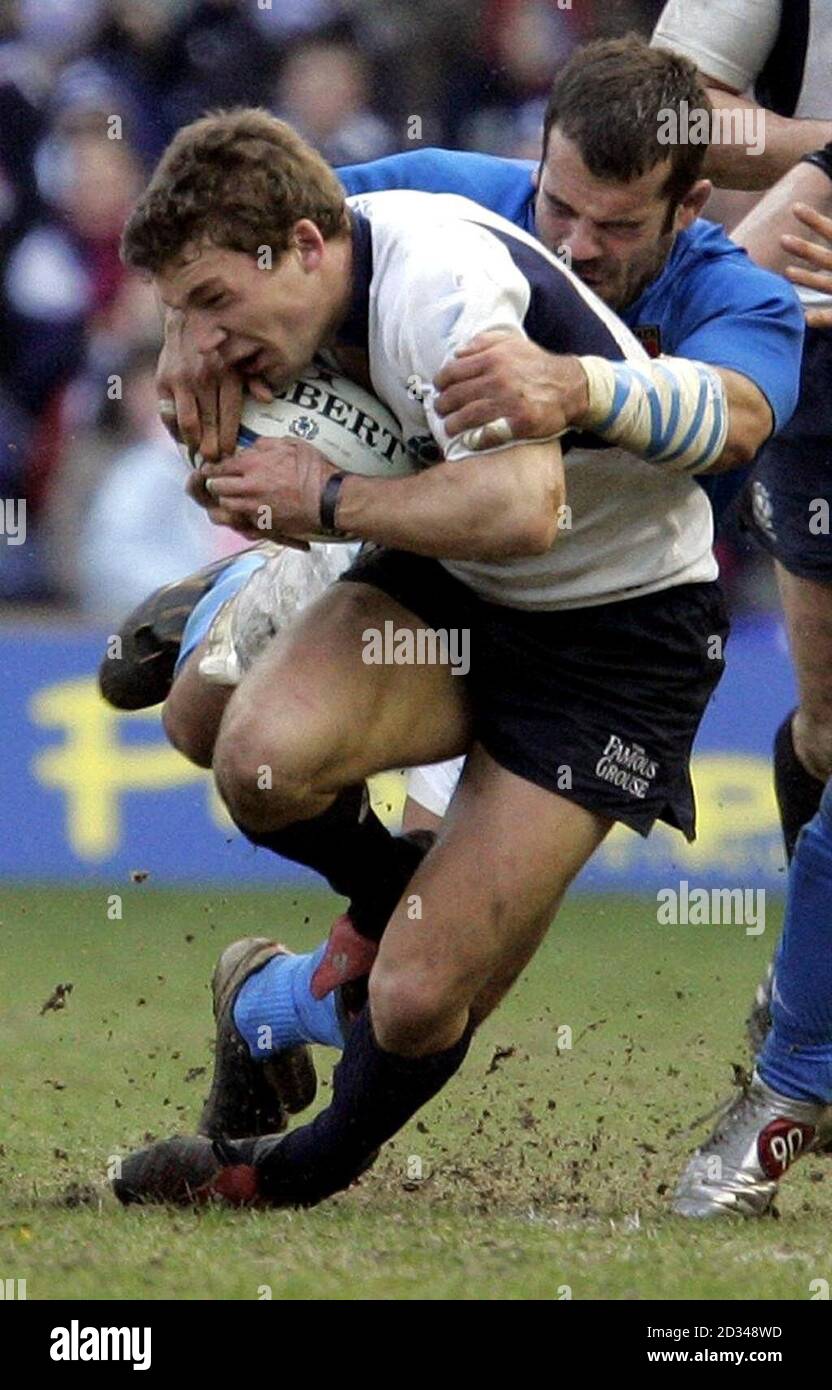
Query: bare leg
(485,895)
(808,609)
(312,717)
(192,713)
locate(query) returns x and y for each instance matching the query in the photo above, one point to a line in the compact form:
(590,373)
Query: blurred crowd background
(90,93)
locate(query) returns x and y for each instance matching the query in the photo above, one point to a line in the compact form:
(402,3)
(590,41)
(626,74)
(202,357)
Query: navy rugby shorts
(599,705)
(789,496)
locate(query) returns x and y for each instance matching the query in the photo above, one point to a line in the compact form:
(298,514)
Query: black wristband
(329,502)
(821,158)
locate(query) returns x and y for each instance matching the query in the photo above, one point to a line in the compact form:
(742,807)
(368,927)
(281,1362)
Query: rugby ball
(351,427)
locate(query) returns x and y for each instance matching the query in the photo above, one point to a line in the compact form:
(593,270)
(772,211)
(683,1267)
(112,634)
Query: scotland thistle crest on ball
(304,427)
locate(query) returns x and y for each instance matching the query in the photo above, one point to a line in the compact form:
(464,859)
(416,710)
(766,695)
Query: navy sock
(355,853)
(374,1093)
(798,792)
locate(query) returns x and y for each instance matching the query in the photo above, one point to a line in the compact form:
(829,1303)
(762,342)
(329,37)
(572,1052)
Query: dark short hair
(239,180)
(609,98)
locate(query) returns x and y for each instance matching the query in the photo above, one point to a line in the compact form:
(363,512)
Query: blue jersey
(710,303)
(502,185)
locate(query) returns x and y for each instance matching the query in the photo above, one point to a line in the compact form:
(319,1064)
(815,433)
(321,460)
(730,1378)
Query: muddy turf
(543,1171)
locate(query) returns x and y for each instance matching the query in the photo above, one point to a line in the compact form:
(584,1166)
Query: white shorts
(434,785)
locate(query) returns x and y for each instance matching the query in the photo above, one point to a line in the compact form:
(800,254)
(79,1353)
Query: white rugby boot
(758,1137)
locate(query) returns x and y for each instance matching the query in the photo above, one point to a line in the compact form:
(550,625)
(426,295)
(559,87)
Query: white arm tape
(671,412)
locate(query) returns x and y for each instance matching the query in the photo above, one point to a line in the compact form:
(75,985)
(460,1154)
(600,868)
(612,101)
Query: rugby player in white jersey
(592,648)
(631,229)
(695,291)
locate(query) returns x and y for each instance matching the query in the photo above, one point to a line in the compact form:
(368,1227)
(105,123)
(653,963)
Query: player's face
(615,235)
(266,321)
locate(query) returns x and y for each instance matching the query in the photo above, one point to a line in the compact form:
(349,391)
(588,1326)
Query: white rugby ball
(351,427)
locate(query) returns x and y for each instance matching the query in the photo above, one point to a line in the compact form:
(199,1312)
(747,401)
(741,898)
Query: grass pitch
(542,1172)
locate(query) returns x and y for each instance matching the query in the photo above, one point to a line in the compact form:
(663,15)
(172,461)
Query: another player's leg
(484,896)
(805,760)
(188,644)
(791,484)
(803,744)
(781,1115)
(139,667)
(247,1098)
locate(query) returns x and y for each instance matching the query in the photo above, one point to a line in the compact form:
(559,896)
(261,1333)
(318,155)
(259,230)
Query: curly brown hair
(238,179)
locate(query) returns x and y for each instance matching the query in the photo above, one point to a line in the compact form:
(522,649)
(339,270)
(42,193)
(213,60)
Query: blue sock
(797,1056)
(275,1007)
